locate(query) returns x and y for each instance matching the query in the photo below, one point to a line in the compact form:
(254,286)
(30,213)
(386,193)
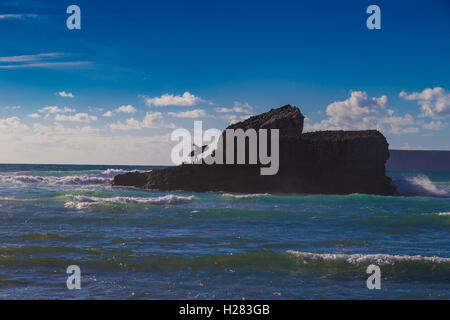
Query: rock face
(323,162)
(289,120)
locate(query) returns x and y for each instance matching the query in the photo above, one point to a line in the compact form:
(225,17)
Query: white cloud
(13,107)
(187,100)
(34,115)
(228,116)
(131,124)
(48,65)
(56,109)
(155,120)
(434,125)
(151,121)
(234,118)
(18,16)
(41,60)
(196,113)
(126,109)
(400,125)
(66,94)
(223,110)
(12,124)
(79,117)
(32,57)
(122,109)
(58,144)
(58,128)
(238,108)
(361,112)
(434,103)
(91,109)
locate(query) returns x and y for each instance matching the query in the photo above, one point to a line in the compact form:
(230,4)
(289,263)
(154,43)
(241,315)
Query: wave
(14,199)
(356,259)
(97,178)
(83,202)
(443,213)
(244,196)
(112,172)
(419,185)
(292,262)
(6,199)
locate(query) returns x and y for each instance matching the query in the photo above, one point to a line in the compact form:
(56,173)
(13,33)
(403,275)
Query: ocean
(139,244)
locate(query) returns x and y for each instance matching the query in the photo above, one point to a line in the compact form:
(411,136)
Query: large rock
(288,119)
(325,162)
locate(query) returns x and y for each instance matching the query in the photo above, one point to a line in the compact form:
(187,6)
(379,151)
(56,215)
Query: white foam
(77,205)
(419,185)
(81,179)
(244,196)
(8,199)
(443,213)
(380,259)
(12,199)
(113,172)
(53,180)
(82,202)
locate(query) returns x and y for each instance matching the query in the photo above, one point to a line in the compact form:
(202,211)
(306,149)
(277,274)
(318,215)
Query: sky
(113,91)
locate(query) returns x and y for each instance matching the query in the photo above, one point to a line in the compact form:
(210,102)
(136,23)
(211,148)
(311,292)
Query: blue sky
(138,69)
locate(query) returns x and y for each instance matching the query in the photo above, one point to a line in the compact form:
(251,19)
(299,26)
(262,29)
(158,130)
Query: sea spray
(418,185)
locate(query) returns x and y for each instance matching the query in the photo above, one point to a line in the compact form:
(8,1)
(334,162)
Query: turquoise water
(136,244)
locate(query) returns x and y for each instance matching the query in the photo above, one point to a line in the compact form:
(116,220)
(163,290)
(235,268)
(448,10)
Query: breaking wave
(356,259)
(244,196)
(96,178)
(321,264)
(83,202)
(419,185)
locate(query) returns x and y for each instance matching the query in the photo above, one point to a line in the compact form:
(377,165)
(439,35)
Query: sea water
(139,244)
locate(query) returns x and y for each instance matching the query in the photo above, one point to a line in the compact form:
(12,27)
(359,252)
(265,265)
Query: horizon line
(157,165)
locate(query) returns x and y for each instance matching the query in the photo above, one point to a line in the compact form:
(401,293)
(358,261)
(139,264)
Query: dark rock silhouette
(323,162)
(288,119)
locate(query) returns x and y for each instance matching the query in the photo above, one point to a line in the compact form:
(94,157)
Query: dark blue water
(137,244)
